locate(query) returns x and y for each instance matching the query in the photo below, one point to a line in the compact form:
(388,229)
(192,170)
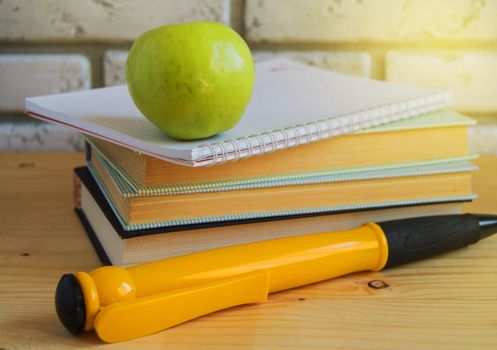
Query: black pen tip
(487,223)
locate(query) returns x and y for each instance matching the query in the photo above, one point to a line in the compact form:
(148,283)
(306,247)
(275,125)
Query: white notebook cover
(292,104)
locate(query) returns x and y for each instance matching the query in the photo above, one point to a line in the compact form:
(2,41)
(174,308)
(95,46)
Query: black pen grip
(420,238)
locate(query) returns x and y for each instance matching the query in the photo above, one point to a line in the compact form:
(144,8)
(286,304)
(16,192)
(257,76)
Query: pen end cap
(70,304)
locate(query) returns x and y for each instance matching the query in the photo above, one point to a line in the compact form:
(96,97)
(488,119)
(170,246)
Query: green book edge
(259,215)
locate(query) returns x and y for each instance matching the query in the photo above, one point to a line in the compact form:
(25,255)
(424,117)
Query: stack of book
(384,152)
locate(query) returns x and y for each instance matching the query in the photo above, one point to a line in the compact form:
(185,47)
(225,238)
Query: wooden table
(444,303)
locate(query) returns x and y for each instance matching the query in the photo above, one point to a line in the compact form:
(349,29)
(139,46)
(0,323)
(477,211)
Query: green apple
(191,80)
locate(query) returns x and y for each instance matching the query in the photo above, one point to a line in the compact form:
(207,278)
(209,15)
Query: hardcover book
(117,245)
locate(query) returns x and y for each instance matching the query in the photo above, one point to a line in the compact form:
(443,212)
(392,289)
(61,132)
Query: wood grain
(449,302)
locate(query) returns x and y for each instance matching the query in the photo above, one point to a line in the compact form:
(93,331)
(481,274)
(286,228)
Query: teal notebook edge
(128,188)
(452,167)
(273,214)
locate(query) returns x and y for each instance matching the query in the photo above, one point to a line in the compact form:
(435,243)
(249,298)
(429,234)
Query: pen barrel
(291,262)
(420,238)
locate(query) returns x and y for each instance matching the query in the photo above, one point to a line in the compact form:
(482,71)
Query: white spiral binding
(273,142)
(268,141)
(236,146)
(214,154)
(308,132)
(249,148)
(262,144)
(296,135)
(286,138)
(320,131)
(224,152)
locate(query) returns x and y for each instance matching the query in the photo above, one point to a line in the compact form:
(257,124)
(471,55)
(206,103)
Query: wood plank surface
(449,302)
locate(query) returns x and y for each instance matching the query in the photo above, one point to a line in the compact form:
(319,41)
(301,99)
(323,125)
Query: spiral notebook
(292,104)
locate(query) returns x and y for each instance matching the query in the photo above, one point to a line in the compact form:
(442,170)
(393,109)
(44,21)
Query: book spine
(76,191)
(266,142)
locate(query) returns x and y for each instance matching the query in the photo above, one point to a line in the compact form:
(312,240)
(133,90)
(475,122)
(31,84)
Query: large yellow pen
(125,303)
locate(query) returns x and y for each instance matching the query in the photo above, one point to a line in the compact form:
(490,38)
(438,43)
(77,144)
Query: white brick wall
(108,20)
(22,76)
(434,43)
(473,75)
(115,67)
(357,63)
(370,20)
